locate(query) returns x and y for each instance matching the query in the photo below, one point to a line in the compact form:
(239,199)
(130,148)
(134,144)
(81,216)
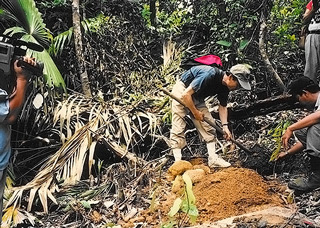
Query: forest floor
(252,192)
(225,197)
(220,194)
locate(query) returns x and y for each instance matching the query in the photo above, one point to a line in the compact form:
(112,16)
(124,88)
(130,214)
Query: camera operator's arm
(17,100)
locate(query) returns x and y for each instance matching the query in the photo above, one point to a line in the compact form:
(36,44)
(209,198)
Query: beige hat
(241,72)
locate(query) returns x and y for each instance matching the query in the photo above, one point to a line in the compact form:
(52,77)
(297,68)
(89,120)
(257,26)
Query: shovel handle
(241,146)
(211,123)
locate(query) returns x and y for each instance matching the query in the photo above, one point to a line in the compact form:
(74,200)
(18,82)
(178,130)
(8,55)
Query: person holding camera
(10,106)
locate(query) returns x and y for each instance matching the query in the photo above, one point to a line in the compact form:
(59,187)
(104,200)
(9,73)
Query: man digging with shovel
(196,84)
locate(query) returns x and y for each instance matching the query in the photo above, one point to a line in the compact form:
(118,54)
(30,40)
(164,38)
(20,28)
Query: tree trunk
(260,107)
(78,47)
(153,11)
(221,5)
(264,55)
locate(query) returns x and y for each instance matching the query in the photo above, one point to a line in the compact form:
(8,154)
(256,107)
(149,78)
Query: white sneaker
(216,161)
(177,154)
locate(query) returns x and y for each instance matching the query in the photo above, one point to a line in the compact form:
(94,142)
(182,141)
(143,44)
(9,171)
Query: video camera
(12,49)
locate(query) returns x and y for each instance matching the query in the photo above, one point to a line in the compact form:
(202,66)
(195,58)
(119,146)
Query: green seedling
(276,134)
(185,206)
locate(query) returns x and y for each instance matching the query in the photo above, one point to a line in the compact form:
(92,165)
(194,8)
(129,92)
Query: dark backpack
(210,60)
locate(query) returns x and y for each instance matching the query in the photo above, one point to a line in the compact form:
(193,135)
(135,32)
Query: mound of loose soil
(221,194)
(230,192)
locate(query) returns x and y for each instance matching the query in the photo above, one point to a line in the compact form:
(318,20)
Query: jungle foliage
(124,42)
(131,48)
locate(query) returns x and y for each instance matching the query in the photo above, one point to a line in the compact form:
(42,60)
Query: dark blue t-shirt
(206,81)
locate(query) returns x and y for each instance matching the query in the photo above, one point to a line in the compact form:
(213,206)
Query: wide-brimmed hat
(241,72)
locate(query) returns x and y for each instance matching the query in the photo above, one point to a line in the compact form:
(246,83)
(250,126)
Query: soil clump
(220,194)
(233,191)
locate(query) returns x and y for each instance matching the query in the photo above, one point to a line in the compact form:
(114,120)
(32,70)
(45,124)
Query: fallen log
(121,152)
(276,216)
(260,107)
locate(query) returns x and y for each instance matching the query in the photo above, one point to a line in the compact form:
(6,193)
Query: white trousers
(177,137)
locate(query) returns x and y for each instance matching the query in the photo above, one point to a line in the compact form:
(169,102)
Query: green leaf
(285,126)
(60,41)
(184,206)
(224,43)
(193,210)
(86,204)
(59,2)
(170,224)
(193,219)
(190,209)
(275,153)
(175,207)
(32,29)
(243,44)
(190,196)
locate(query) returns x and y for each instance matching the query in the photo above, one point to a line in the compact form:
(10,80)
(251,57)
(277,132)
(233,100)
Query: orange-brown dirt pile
(221,194)
(230,192)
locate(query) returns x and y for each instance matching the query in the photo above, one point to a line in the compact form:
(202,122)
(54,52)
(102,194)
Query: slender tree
(153,11)
(78,46)
(263,51)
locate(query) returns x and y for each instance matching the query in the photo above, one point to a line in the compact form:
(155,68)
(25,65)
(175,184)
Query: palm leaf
(64,38)
(66,165)
(35,25)
(33,192)
(14,216)
(91,154)
(60,41)
(33,29)
(14,30)
(13,10)
(25,13)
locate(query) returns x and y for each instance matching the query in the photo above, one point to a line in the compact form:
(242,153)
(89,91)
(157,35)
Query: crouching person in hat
(196,84)
(307,131)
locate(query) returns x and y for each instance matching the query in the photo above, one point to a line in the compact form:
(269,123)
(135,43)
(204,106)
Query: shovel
(207,121)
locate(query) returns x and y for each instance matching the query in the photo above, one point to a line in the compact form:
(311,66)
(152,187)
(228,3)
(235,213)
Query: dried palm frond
(82,123)
(14,216)
(171,61)
(66,164)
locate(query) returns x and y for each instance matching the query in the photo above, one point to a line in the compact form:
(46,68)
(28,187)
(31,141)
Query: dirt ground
(219,194)
(231,192)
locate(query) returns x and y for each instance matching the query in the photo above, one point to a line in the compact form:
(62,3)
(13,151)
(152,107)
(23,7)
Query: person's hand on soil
(282,155)
(227,133)
(285,138)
